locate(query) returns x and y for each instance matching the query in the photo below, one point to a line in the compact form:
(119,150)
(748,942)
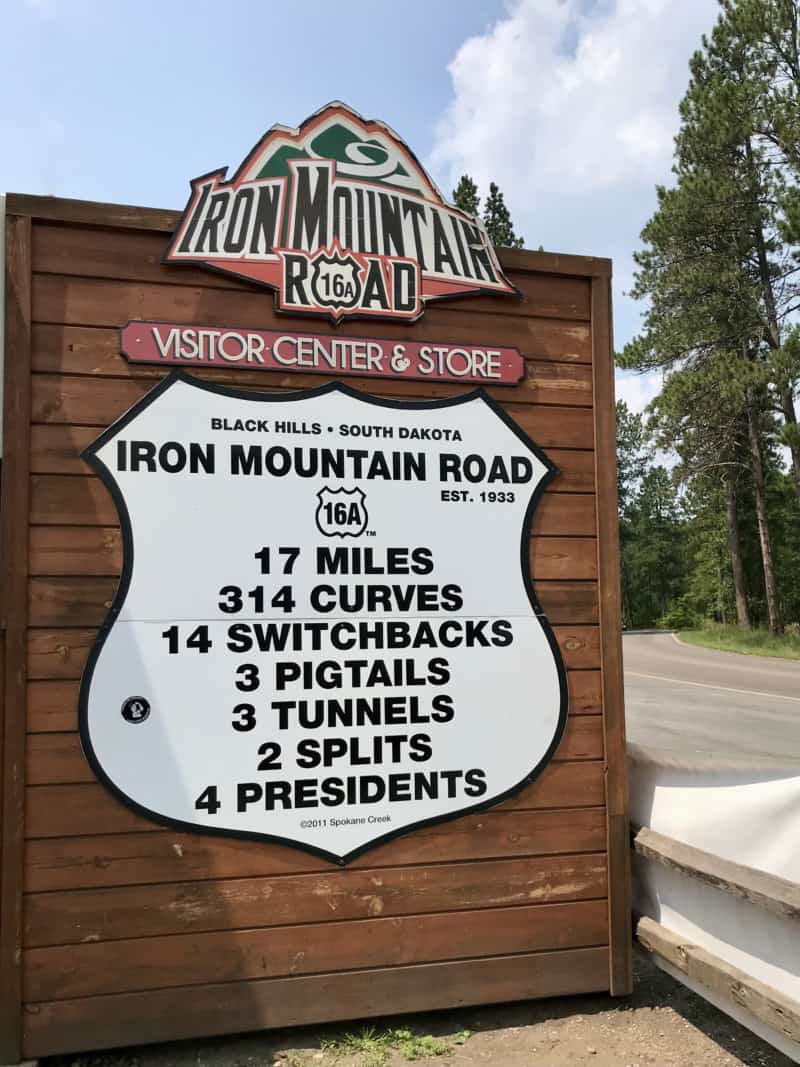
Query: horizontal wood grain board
(87,550)
(196,1011)
(725,981)
(53,705)
(179,294)
(110,914)
(87,809)
(129,218)
(769,891)
(572,558)
(63,300)
(584,686)
(94,969)
(91,212)
(61,399)
(137,255)
(170,856)
(565,383)
(95,350)
(57,759)
(566,380)
(61,653)
(62,500)
(85,601)
(56,449)
(97,550)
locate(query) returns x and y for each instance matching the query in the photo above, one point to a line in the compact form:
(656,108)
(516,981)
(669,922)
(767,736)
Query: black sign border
(89,455)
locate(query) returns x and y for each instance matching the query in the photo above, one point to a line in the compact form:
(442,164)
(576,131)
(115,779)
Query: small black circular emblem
(135,709)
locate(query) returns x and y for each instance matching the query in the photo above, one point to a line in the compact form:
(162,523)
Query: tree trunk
(742,613)
(787,406)
(773,324)
(760,491)
(765,277)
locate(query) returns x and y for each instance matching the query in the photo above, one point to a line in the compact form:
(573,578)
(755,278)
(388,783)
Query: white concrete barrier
(717,884)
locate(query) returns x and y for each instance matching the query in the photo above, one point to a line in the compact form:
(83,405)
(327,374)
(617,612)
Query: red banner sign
(370,357)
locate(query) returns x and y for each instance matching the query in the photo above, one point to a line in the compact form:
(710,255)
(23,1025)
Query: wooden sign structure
(123,924)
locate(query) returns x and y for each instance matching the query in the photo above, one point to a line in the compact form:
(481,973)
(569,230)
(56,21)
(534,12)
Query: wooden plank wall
(134,933)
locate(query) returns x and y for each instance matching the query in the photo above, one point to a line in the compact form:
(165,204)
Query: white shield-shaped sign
(260,676)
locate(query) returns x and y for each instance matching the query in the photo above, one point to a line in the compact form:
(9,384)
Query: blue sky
(125,101)
(571,105)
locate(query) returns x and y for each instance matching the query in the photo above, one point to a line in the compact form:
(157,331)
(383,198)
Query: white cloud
(637,390)
(573,112)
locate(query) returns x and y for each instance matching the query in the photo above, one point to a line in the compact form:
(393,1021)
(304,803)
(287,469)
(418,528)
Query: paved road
(719,707)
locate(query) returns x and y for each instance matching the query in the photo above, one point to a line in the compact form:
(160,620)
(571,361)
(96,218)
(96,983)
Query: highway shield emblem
(341,512)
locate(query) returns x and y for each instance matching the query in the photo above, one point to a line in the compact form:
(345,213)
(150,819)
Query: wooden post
(13,623)
(620,977)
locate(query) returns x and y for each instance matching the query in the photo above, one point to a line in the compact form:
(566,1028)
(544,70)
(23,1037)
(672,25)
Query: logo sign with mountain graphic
(340,220)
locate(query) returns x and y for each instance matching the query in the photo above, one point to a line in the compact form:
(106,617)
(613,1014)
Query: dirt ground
(663,1024)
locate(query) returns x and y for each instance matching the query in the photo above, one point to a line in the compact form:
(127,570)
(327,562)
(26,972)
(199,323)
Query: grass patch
(749,642)
(373,1046)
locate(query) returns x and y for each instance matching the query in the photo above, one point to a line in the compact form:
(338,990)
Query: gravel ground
(662,1025)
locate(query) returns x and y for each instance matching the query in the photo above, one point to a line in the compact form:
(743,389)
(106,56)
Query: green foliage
(769,31)
(632,454)
(714,266)
(653,551)
(757,642)
(415,1047)
(720,272)
(496,216)
(709,579)
(465,196)
(676,564)
(497,220)
(784,510)
(789,435)
(370,1045)
(680,615)
(374,1046)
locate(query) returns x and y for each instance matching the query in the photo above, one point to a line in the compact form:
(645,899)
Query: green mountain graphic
(332,143)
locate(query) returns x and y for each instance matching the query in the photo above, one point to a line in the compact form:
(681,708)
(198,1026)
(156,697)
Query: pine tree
(497,220)
(465,196)
(745,91)
(713,262)
(700,415)
(496,216)
(653,553)
(632,455)
(770,31)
